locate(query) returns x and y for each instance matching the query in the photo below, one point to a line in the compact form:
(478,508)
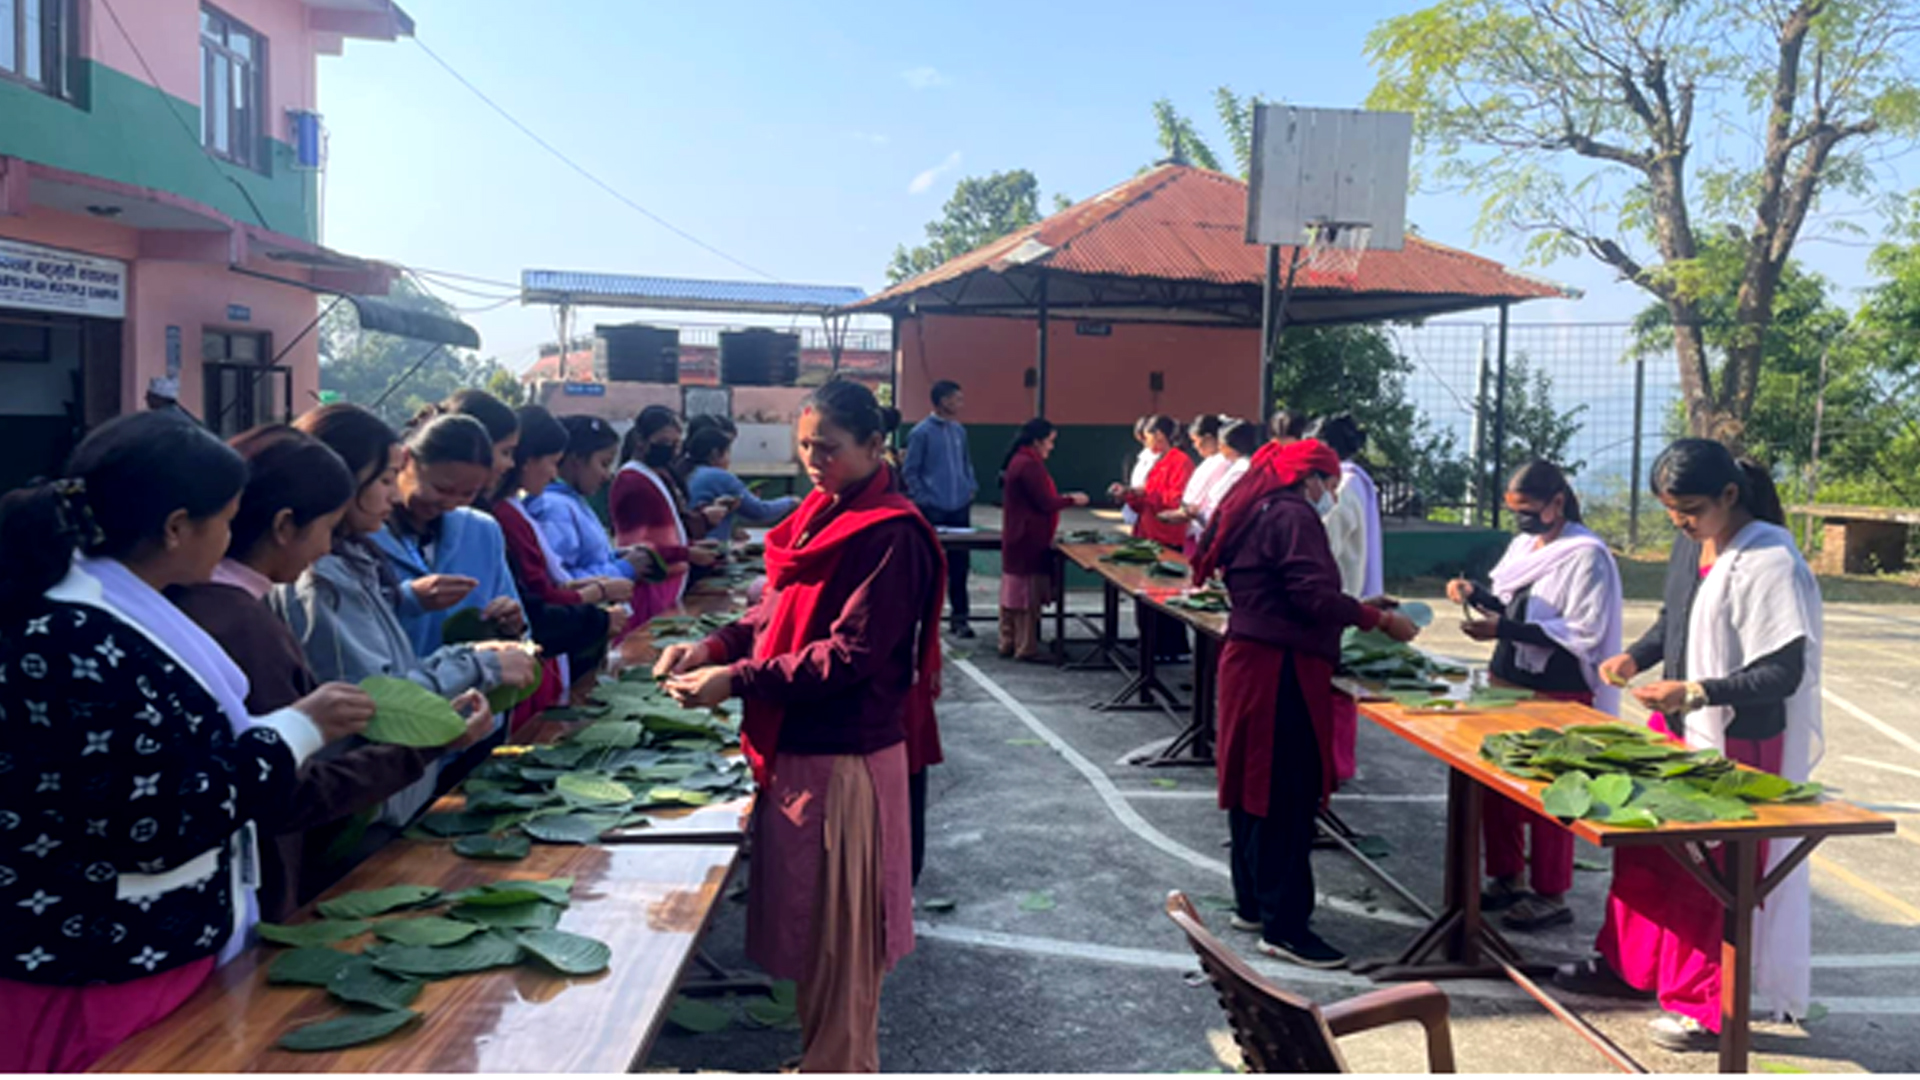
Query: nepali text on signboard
(43,279)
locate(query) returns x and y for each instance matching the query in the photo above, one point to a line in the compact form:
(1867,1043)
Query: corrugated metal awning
(683,294)
(387,317)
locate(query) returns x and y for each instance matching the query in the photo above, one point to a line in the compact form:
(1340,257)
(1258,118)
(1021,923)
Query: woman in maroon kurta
(1276,686)
(1031,508)
(843,645)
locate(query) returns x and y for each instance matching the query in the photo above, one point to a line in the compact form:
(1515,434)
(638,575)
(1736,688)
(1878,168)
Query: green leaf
(1591,866)
(361,983)
(1037,901)
(779,1010)
(1613,790)
(493,847)
(456,823)
(464,627)
(667,796)
(568,954)
(1568,797)
(489,950)
(1766,1066)
(592,788)
(350,1030)
(503,893)
(1164,783)
(313,934)
(1633,817)
(1816,1012)
(527,915)
(938,905)
(426,930)
(308,966)
(570,828)
(497,802)
(699,1017)
(1803,793)
(615,733)
(1673,804)
(407,714)
(504,699)
(371,902)
(1752,786)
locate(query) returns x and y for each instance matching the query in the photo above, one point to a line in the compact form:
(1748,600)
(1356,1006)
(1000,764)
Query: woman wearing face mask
(136,774)
(1739,644)
(1555,611)
(835,663)
(567,519)
(451,556)
(568,616)
(297,491)
(1276,687)
(645,505)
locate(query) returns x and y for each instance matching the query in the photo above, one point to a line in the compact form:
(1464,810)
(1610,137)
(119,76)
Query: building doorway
(59,377)
(244,388)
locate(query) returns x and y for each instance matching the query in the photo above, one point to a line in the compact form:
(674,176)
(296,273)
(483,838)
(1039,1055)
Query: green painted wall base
(1087,458)
(1435,549)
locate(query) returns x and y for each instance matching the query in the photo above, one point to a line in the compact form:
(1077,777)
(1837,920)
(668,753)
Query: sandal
(1594,978)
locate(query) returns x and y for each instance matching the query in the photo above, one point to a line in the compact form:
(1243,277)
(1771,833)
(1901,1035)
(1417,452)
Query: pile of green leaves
(1631,777)
(1375,657)
(1423,696)
(1164,568)
(1142,552)
(1209,599)
(499,924)
(641,752)
(1090,536)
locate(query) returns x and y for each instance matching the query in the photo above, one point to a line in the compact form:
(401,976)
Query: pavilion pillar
(1040,365)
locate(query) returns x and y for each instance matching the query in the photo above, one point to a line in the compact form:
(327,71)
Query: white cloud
(924,78)
(872,138)
(925,180)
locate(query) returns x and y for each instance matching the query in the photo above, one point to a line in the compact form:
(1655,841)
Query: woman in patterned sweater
(132,777)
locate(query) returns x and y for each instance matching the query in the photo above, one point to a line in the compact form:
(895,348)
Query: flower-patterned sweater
(122,788)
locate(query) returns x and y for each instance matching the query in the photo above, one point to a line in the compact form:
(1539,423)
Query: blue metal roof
(682,294)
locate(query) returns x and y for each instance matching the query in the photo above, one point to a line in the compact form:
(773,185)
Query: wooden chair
(1281,1033)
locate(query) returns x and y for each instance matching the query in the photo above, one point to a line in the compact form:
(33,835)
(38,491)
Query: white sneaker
(1682,1034)
(1245,926)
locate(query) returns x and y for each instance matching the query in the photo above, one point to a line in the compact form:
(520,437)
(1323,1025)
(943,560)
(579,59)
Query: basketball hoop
(1333,250)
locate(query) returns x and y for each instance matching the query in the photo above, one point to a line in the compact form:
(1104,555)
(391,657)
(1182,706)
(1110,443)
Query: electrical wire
(582,170)
(167,99)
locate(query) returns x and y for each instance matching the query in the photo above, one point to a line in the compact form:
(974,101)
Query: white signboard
(44,279)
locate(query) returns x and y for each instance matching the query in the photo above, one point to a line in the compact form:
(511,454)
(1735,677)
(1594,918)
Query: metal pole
(1040,373)
(1482,376)
(893,355)
(1271,286)
(1813,467)
(1639,431)
(1499,419)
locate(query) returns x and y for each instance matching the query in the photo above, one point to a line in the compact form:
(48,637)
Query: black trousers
(1169,633)
(1273,855)
(917,800)
(958,563)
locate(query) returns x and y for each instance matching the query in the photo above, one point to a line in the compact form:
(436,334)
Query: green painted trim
(120,128)
(1087,458)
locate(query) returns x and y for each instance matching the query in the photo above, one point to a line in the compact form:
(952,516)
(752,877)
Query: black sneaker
(961,630)
(1306,949)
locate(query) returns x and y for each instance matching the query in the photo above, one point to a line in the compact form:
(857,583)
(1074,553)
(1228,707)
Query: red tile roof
(1178,223)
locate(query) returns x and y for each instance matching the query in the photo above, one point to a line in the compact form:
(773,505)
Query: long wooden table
(648,892)
(1459,943)
(651,905)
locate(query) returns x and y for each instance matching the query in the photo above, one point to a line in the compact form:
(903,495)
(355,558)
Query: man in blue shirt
(939,477)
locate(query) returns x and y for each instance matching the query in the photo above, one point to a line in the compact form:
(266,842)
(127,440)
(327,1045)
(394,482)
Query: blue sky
(807,139)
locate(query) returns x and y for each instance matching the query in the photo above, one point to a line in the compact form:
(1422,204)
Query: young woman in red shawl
(1166,485)
(1031,508)
(838,666)
(1276,685)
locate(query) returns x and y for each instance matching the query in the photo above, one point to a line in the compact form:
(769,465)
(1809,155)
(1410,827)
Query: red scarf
(799,568)
(1274,468)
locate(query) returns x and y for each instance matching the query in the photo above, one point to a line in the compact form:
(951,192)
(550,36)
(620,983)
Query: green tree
(361,365)
(1534,428)
(982,209)
(1356,369)
(1632,130)
(1179,142)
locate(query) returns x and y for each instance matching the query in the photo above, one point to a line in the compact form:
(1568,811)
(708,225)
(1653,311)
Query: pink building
(159,211)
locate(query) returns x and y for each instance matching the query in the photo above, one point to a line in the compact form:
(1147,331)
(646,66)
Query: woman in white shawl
(1739,641)
(1554,611)
(1353,532)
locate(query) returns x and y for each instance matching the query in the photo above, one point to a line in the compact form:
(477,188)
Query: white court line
(1872,764)
(1130,818)
(1871,720)
(1357,797)
(1167,960)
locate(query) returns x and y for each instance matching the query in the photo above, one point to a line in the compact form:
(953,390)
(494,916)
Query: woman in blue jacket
(710,451)
(574,532)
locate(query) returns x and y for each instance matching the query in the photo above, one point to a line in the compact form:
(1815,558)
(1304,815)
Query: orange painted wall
(1092,380)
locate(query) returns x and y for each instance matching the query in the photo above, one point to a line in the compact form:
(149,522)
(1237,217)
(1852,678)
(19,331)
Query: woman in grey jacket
(343,609)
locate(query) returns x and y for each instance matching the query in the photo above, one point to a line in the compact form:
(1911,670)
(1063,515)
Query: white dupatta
(1575,600)
(1355,482)
(1759,598)
(673,511)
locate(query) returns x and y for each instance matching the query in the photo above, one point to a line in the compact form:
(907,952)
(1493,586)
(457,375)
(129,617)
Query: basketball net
(1333,251)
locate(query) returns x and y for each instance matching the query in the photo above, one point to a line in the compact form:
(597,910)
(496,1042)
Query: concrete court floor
(1056,956)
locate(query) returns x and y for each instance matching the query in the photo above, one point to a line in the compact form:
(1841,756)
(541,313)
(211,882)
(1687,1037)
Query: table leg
(1736,955)
(1194,744)
(1107,650)
(1145,686)
(1059,607)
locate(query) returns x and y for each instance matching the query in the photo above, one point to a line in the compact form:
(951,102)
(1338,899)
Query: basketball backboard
(1320,168)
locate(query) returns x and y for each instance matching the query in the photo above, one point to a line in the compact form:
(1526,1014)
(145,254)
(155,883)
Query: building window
(232,59)
(244,389)
(36,43)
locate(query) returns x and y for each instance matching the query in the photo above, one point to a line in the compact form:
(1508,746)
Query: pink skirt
(1025,592)
(68,1028)
(790,854)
